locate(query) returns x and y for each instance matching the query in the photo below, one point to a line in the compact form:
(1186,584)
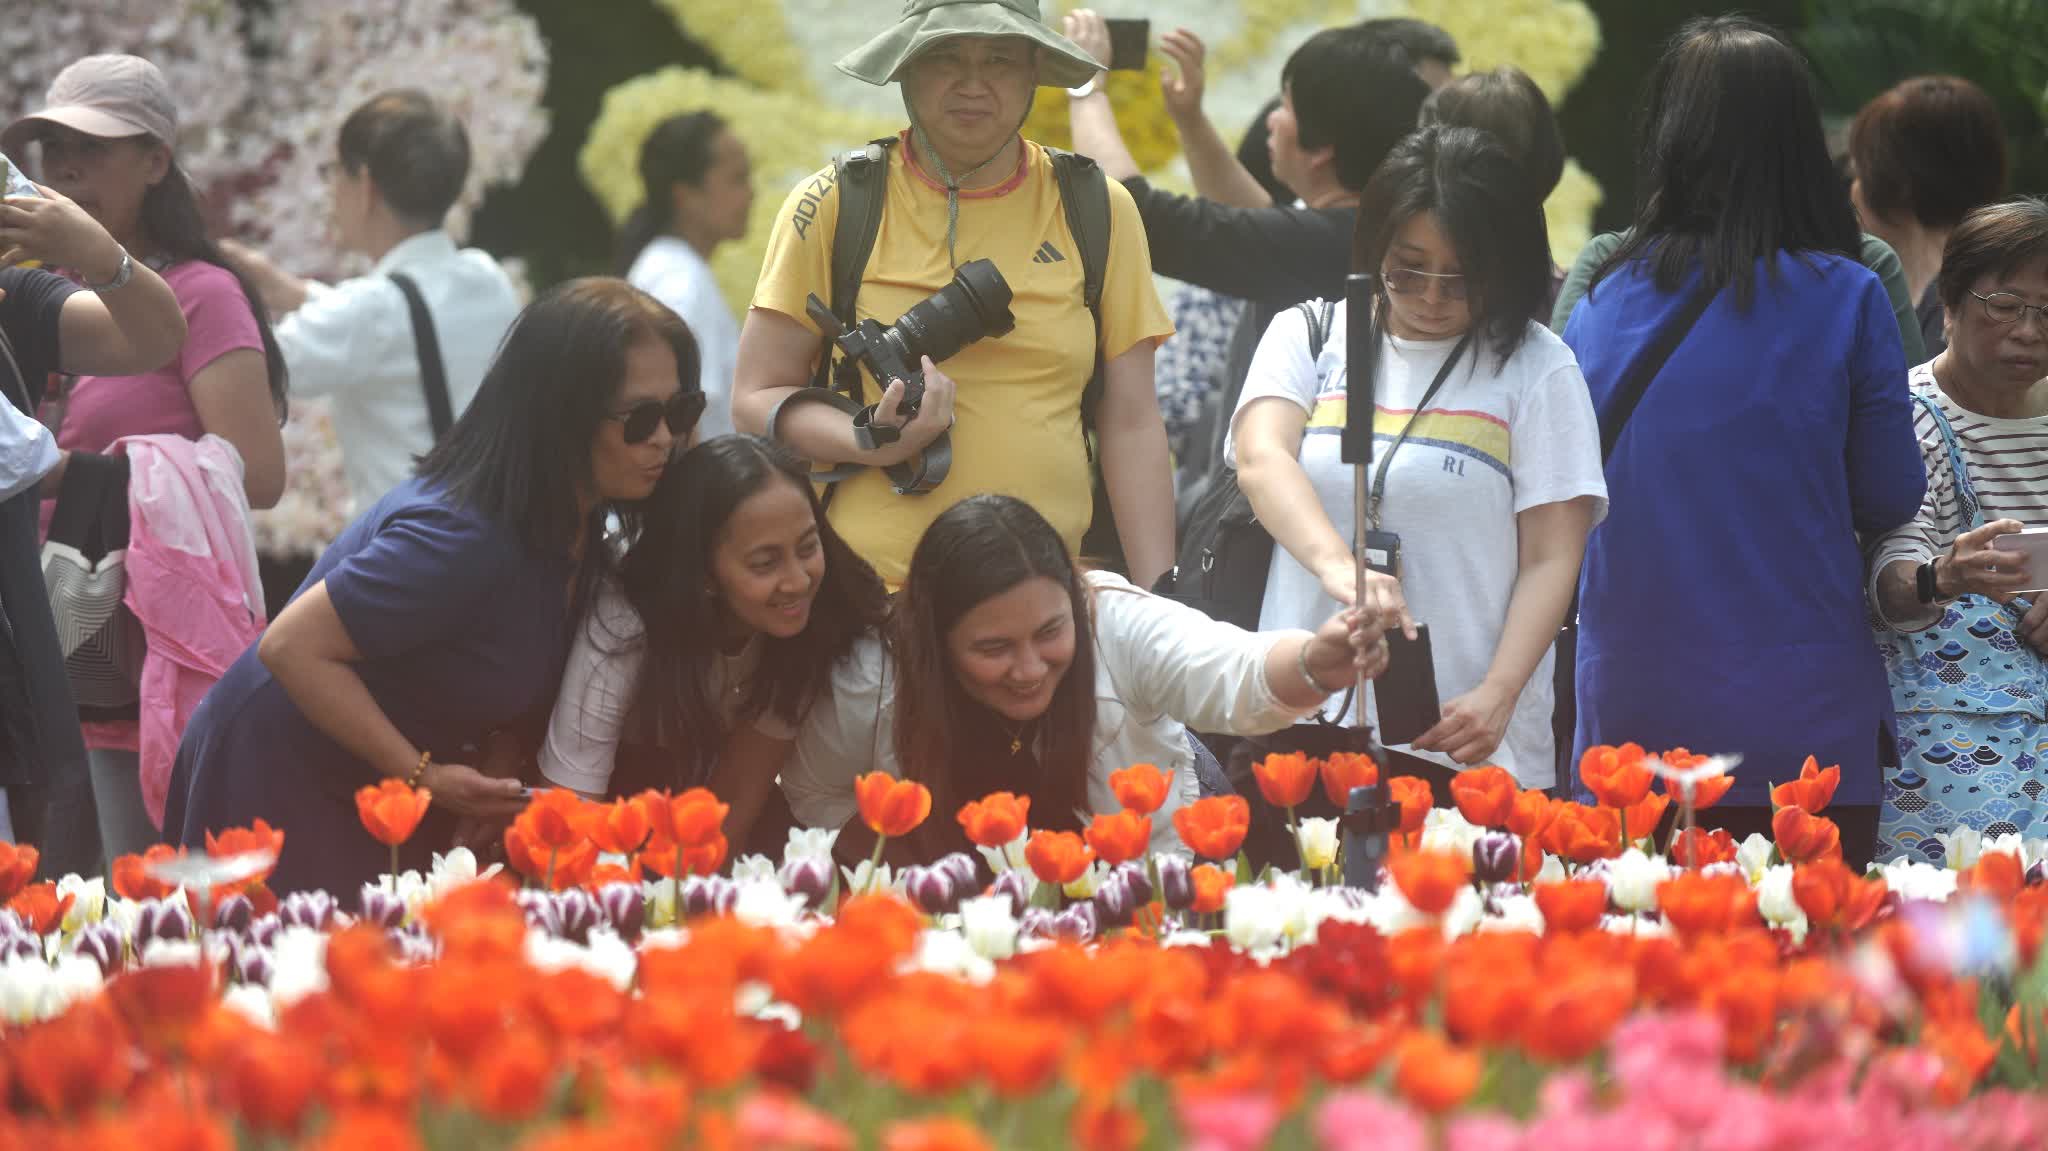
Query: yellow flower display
(1140,114)
(787,137)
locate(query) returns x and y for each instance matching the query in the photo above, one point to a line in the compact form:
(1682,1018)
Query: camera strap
(913,477)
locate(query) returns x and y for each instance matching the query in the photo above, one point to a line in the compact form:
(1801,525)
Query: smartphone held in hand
(2032,544)
(13,183)
(1405,694)
(1130,44)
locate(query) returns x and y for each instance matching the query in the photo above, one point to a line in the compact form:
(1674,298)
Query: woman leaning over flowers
(1962,647)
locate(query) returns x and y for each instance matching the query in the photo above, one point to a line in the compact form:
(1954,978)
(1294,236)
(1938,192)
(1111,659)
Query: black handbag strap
(1629,392)
(433,375)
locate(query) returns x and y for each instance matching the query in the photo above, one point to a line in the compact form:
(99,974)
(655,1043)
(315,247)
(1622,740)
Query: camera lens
(975,304)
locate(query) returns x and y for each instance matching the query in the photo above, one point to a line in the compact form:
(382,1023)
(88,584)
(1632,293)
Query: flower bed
(1522,978)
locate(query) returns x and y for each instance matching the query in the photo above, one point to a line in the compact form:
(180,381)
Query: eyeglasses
(681,411)
(1413,282)
(2006,308)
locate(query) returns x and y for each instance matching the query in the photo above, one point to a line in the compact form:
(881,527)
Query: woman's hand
(1472,725)
(2034,625)
(1382,592)
(58,232)
(1974,567)
(469,792)
(1183,86)
(934,414)
(1349,644)
(1089,32)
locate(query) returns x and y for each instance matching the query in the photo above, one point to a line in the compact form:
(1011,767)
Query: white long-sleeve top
(1160,668)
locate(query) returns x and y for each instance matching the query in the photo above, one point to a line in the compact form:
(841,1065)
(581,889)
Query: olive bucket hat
(1061,62)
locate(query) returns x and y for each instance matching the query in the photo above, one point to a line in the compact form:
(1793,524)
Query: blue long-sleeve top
(1722,599)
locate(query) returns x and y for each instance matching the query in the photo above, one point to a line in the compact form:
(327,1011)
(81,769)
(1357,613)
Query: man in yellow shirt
(962,185)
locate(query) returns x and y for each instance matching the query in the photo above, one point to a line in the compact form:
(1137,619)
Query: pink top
(218,320)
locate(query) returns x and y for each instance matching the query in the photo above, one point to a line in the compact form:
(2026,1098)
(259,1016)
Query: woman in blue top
(1721,604)
(444,613)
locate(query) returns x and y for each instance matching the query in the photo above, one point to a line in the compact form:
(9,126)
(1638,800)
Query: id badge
(1383,553)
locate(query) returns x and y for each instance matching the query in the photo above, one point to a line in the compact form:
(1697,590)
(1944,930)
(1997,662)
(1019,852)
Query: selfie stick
(1358,412)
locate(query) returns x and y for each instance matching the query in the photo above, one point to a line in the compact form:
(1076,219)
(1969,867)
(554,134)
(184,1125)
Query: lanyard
(1379,479)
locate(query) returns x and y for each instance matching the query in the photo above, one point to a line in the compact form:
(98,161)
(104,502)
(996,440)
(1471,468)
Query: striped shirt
(2008,466)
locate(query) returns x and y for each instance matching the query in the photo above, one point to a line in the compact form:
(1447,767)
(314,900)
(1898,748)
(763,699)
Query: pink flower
(771,1119)
(1366,1121)
(1568,1093)
(1228,1122)
(1483,1133)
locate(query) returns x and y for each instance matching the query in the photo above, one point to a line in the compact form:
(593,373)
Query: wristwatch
(1085,90)
(1924,586)
(121,276)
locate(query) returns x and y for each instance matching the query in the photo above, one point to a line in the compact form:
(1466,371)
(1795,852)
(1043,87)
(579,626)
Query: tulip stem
(1624,829)
(549,882)
(394,866)
(675,881)
(875,864)
(1294,829)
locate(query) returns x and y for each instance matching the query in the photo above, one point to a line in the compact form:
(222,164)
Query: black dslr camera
(975,304)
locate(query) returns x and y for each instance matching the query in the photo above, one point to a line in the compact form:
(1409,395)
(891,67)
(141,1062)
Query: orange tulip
(246,840)
(391,811)
(509,1079)
(1812,790)
(1485,795)
(1532,813)
(691,819)
(1057,857)
(1696,847)
(1120,837)
(1995,873)
(1214,827)
(621,827)
(1433,1074)
(1696,904)
(1415,799)
(1572,905)
(1834,896)
(1345,770)
(1212,883)
(1640,822)
(1803,837)
(1617,776)
(558,819)
(995,820)
(1431,879)
(1141,787)
(40,909)
(131,876)
(1573,1015)
(1103,1124)
(934,1135)
(1705,792)
(17,868)
(1285,779)
(1583,834)
(889,806)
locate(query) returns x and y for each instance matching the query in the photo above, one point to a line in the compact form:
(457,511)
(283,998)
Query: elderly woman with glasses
(1963,645)
(1487,457)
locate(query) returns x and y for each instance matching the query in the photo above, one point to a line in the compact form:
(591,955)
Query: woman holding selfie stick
(1964,649)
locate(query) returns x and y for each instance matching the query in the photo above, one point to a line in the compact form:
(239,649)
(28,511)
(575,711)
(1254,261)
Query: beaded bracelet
(1301,662)
(419,770)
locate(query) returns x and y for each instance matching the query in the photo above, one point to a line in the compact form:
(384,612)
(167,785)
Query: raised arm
(121,331)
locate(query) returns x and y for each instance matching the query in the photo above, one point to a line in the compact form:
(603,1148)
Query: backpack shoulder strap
(1319,321)
(862,176)
(1084,195)
(427,346)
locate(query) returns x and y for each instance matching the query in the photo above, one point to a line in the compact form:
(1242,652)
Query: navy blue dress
(462,629)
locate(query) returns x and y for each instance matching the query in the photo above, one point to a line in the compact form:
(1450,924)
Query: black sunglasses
(682,411)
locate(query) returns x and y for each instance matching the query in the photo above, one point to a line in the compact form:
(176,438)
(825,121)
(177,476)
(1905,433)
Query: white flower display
(299,966)
(32,990)
(1319,841)
(1753,856)
(1913,879)
(88,900)
(950,953)
(1776,903)
(605,955)
(1632,879)
(1964,846)
(1447,829)
(754,869)
(763,902)
(989,926)
(810,843)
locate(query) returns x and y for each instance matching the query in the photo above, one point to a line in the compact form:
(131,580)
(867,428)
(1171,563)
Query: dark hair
(977,549)
(1996,239)
(1487,210)
(678,151)
(417,153)
(1930,150)
(1507,104)
(667,577)
(177,229)
(1255,152)
(1355,91)
(521,451)
(1420,39)
(1734,164)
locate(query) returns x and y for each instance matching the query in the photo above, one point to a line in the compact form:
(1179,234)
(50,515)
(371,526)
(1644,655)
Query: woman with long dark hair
(1488,467)
(107,135)
(1721,607)
(1008,667)
(697,190)
(730,611)
(444,613)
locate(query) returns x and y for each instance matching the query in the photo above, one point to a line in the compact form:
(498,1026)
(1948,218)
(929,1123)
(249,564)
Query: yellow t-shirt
(1017,413)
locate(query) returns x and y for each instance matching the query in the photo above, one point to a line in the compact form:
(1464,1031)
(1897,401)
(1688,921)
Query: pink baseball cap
(108,96)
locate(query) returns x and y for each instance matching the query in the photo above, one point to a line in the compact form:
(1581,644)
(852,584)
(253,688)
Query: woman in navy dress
(444,613)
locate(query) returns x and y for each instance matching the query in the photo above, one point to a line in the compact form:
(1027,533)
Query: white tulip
(809,843)
(1318,838)
(171,953)
(1632,879)
(1254,919)
(605,956)
(1776,903)
(1964,846)
(1088,882)
(251,1003)
(2008,844)
(754,869)
(1552,870)
(949,953)
(1514,913)
(1447,829)
(989,927)
(88,901)
(1008,857)
(763,903)
(1917,880)
(858,879)
(1466,912)
(298,965)
(32,991)
(1753,855)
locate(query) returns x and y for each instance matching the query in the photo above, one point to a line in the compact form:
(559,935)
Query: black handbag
(1225,552)
(85,574)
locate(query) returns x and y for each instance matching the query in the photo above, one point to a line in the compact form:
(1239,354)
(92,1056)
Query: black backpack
(1225,552)
(862,176)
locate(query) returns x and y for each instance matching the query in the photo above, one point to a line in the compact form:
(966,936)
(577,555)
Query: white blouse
(1160,668)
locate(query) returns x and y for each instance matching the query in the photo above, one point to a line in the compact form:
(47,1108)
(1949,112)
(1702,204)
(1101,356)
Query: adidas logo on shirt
(1047,254)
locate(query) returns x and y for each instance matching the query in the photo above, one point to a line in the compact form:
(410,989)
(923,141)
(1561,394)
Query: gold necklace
(1017,737)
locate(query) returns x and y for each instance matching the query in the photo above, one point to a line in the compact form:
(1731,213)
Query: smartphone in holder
(1130,44)
(2033,544)
(1405,694)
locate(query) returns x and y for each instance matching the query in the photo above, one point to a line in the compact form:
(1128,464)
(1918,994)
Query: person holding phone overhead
(1486,453)
(1962,647)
